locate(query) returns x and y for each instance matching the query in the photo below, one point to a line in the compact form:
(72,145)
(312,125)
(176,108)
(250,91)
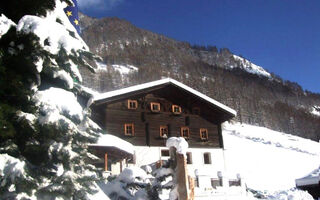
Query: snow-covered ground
(316,110)
(101,66)
(266,159)
(122,69)
(125,69)
(252,68)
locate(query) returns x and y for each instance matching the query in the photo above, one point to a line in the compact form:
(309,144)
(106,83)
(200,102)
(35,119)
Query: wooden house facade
(147,114)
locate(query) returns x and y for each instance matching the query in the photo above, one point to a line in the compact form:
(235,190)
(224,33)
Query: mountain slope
(259,97)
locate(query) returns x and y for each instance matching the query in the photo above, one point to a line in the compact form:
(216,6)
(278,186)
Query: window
(155,107)
(196,111)
(189,158)
(235,182)
(164,131)
(165,153)
(216,182)
(176,109)
(203,134)
(129,129)
(207,158)
(184,132)
(196,182)
(132,104)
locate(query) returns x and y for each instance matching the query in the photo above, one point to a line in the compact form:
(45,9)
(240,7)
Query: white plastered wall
(204,172)
(148,155)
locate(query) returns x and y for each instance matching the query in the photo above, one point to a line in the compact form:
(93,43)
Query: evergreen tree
(44,119)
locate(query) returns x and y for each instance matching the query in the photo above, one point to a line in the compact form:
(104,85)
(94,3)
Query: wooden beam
(121,165)
(105,162)
(220,136)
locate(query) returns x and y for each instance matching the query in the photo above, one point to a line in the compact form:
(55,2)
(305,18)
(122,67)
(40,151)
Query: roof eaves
(130,89)
(204,97)
(162,82)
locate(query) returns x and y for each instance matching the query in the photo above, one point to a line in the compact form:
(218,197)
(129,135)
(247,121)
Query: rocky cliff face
(132,55)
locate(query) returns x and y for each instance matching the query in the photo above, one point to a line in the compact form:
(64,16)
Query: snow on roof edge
(311,179)
(203,96)
(160,82)
(108,140)
(129,89)
(307,181)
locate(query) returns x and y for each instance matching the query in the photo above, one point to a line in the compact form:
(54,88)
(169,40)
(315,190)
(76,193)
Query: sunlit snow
(5,24)
(101,66)
(11,168)
(179,143)
(252,68)
(125,69)
(31,118)
(48,29)
(266,159)
(55,102)
(108,140)
(316,110)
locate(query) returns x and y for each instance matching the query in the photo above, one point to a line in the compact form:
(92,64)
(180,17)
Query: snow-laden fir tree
(44,119)
(134,183)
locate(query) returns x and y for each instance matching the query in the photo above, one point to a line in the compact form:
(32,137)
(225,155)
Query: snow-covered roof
(165,81)
(311,179)
(108,140)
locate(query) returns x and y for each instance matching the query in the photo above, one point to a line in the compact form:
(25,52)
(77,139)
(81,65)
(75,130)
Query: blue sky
(283,36)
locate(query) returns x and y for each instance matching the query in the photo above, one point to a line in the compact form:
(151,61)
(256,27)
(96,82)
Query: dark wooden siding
(147,123)
(115,120)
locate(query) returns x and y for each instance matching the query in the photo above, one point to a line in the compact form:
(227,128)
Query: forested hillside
(260,98)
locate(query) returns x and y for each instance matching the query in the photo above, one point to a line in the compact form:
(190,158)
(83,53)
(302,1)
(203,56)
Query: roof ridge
(160,82)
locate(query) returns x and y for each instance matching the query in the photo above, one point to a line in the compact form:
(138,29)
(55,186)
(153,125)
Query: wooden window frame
(209,158)
(201,136)
(161,133)
(181,132)
(173,109)
(132,101)
(154,103)
(126,127)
